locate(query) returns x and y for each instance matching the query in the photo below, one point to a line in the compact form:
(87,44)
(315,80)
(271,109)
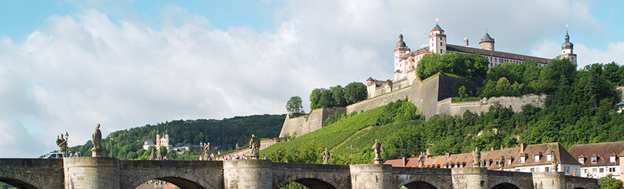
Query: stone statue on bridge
(377,150)
(501,163)
(61,143)
(421,159)
(254,147)
(554,162)
(476,154)
(96,139)
(325,156)
(207,151)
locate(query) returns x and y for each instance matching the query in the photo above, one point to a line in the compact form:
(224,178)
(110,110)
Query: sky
(67,65)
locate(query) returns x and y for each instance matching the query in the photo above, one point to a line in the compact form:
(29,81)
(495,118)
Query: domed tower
(567,48)
(487,42)
(400,50)
(437,40)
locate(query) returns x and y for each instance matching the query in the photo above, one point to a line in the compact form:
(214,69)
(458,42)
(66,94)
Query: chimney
(466,41)
(447,155)
(492,149)
(502,147)
(404,161)
(522,147)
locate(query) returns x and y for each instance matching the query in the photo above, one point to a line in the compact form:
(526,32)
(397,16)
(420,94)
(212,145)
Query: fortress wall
(300,125)
(478,107)
(424,95)
(378,101)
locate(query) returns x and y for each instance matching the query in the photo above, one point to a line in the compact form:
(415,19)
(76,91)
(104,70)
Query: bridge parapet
(312,176)
(32,173)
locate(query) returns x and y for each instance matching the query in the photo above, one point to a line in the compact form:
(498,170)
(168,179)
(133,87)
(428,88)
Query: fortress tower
(437,40)
(487,42)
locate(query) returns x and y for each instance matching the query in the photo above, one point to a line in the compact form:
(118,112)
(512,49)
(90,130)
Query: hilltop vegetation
(579,109)
(224,134)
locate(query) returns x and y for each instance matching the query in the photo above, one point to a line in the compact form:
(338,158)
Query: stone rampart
(314,121)
(378,101)
(447,107)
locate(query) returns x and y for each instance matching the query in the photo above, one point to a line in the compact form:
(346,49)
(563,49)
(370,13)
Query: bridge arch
(505,185)
(183,181)
(18,183)
(315,176)
(312,183)
(418,182)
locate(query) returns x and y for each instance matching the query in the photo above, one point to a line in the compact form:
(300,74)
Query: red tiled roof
(492,156)
(603,152)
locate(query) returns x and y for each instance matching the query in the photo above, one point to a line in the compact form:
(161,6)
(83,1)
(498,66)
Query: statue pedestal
(97,153)
(377,161)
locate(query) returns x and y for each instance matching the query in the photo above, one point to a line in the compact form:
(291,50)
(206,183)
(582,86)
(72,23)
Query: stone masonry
(102,172)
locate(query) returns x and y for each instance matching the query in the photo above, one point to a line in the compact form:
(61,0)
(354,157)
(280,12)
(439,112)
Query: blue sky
(68,65)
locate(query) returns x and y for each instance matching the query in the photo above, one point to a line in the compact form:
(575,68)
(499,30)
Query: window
(611,169)
(548,157)
(546,169)
(612,159)
(508,162)
(594,170)
(532,170)
(581,160)
(522,160)
(594,160)
(536,158)
(567,169)
(601,170)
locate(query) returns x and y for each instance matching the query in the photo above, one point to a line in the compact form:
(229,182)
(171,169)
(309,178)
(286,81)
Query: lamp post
(66,143)
(351,154)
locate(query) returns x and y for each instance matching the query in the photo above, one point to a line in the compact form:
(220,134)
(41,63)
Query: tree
(315,97)
(338,96)
(461,64)
(326,99)
(293,106)
(355,92)
(609,182)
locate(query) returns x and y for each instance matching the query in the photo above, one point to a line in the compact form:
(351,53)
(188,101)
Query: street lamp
(66,143)
(351,154)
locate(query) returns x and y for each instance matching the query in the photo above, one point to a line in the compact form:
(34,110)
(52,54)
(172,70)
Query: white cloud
(85,69)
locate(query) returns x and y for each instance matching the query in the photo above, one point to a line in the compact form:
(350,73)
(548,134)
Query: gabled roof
(601,150)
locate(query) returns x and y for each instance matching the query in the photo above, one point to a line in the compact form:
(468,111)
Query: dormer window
(594,160)
(612,159)
(508,162)
(536,158)
(522,159)
(548,157)
(581,160)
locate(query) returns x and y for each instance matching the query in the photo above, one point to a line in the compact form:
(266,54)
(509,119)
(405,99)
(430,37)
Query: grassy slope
(333,134)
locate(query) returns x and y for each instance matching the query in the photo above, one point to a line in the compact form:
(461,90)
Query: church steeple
(567,48)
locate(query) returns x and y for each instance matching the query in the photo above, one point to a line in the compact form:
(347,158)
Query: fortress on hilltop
(432,95)
(406,61)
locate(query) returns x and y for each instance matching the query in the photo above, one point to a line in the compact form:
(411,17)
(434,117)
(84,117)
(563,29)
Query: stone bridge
(101,172)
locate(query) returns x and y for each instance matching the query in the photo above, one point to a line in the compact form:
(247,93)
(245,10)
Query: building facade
(522,158)
(600,159)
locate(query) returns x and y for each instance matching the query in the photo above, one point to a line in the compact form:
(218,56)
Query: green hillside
(224,134)
(580,109)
